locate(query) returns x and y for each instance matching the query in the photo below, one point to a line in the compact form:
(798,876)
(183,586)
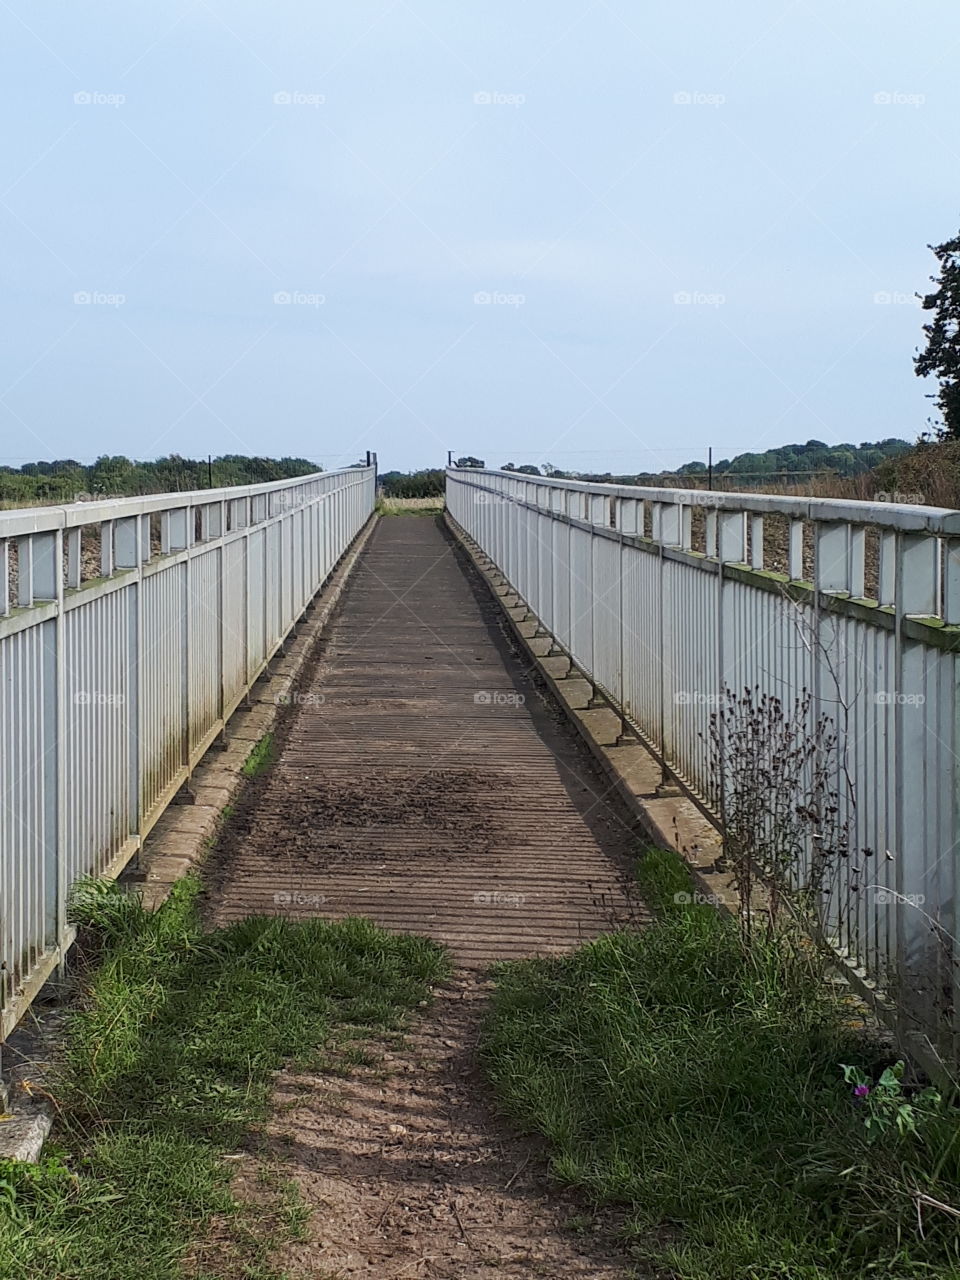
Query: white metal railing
(667,597)
(130,630)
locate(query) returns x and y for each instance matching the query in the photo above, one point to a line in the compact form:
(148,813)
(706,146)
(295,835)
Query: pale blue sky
(581,164)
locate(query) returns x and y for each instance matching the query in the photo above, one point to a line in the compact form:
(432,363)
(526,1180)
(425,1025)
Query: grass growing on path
(170,1060)
(699,1083)
(260,758)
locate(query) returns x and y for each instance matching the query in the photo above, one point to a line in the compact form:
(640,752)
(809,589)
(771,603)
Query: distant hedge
(65,479)
(413,484)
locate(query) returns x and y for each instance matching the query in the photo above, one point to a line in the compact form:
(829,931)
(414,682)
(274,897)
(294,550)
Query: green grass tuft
(169,1063)
(260,758)
(698,1082)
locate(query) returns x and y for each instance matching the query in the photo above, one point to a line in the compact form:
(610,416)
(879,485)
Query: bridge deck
(400,795)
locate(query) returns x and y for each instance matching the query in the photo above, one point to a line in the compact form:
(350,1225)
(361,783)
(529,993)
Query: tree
(470,462)
(942,355)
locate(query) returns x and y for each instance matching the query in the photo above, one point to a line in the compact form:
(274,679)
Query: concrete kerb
(182,837)
(673,821)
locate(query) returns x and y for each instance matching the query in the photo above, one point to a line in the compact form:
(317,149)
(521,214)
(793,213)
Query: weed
(260,758)
(887,1106)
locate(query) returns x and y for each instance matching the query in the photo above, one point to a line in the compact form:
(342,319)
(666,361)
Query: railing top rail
(19,522)
(907,517)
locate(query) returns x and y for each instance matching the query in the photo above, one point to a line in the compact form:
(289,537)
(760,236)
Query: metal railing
(666,598)
(130,630)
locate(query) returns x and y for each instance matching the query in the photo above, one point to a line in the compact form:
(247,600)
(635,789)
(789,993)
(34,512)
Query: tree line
(796,461)
(65,479)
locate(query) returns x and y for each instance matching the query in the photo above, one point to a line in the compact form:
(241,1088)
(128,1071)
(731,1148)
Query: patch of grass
(169,1062)
(698,1081)
(260,758)
(410,506)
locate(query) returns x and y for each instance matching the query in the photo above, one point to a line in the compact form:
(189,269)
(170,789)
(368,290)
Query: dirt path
(482,822)
(409,1171)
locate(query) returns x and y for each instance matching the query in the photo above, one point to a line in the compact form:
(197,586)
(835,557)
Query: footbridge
(424,774)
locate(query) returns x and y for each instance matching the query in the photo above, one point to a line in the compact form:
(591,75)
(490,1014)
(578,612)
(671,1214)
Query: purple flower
(861,1091)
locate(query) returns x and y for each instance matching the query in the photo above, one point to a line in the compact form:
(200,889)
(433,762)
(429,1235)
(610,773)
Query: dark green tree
(941,358)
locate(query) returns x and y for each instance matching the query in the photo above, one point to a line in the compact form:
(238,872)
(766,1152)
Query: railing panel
(618,575)
(163,647)
(205,632)
(582,596)
(234,595)
(27,741)
(99,688)
(110,688)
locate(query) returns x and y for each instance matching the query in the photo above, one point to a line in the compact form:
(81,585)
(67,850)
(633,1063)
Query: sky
(597,234)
